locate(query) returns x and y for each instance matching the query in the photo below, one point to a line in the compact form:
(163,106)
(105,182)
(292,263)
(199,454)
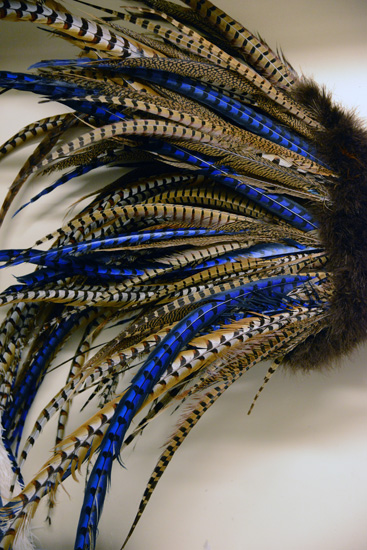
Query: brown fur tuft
(342,142)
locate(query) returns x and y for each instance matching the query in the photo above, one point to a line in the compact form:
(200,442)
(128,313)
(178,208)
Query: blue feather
(243,115)
(25,392)
(62,254)
(60,91)
(149,374)
(282,206)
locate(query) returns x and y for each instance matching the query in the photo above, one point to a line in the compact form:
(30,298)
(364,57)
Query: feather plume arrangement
(219,222)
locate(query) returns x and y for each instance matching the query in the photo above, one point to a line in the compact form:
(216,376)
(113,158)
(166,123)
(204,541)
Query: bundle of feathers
(235,232)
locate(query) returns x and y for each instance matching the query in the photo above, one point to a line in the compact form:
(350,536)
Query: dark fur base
(342,142)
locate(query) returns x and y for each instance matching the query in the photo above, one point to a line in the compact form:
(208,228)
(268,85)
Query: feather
(230,231)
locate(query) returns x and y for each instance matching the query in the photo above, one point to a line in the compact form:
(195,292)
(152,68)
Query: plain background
(292,475)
